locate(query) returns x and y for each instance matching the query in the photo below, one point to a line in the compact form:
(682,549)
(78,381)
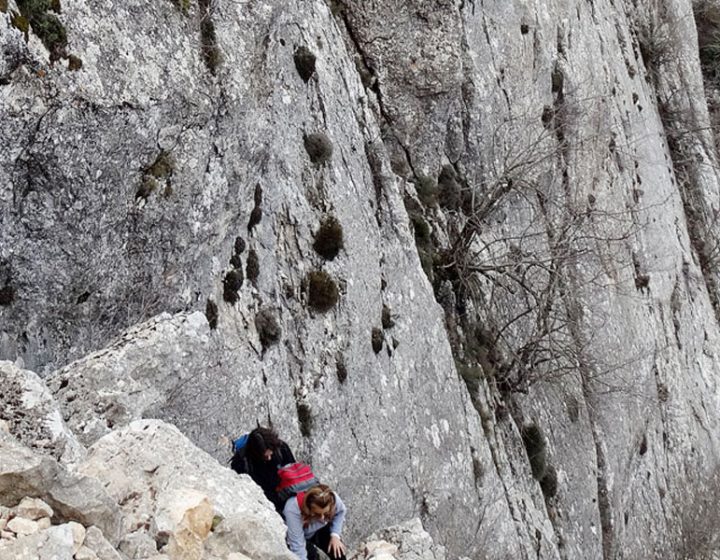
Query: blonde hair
(321,497)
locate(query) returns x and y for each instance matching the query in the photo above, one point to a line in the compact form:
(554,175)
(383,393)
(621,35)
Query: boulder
(96,542)
(33,508)
(138,545)
(406,541)
(84,553)
(78,533)
(55,543)
(31,414)
(72,497)
(22,526)
(379,549)
(183,496)
(138,372)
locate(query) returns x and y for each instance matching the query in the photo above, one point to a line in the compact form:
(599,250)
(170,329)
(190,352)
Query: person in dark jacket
(261,456)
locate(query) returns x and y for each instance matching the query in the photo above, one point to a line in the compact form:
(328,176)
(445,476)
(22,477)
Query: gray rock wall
(573,229)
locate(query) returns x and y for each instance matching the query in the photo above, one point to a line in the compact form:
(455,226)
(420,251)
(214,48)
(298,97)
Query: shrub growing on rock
(427,190)
(304,62)
(450,191)
(377,339)
(329,238)
(421,229)
(534,441)
(305,419)
(341,369)
(239,245)
(322,290)
(163,165)
(208,38)
(7,295)
(319,147)
(252,268)
(75,63)
(255,217)
(232,282)
(45,25)
(549,482)
(267,327)
(211,312)
(236,261)
(387,320)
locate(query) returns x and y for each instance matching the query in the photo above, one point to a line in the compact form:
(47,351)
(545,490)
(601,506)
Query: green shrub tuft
(322,290)
(535,446)
(341,369)
(232,282)
(236,261)
(75,63)
(255,217)
(305,419)
(304,63)
(239,245)
(252,268)
(549,482)
(329,238)
(377,339)
(427,190)
(148,185)
(20,23)
(421,228)
(7,295)
(183,5)
(208,38)
(450,191)
(387,320)
(267,327)
(162,167)
(211,312)
(319,147)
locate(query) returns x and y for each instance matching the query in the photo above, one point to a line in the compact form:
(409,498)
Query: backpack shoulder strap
(300,497)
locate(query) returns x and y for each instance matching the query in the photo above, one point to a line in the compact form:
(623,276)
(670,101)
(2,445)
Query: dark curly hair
(260,440)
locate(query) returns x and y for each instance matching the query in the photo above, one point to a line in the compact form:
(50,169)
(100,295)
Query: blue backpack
(240,442)
(238,461)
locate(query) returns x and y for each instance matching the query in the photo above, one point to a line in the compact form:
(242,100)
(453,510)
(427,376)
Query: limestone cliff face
(523,347)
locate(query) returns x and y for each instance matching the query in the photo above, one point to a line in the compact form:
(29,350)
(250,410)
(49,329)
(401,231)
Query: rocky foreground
(141,492)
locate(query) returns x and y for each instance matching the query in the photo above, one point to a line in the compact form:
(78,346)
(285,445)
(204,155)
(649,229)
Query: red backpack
(294,478)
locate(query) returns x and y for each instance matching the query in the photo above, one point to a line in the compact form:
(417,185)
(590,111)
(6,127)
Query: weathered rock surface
(33,509)
(406,541)
(175,493)
(557,163)
(24,473)
(54,543)
(33,415)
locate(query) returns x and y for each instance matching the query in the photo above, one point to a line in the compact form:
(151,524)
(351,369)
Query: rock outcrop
(30,413)
(463,255)
(24,473)
(145,492)
(177,496)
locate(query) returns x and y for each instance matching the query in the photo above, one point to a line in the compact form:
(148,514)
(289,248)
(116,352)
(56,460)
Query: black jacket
(264,473)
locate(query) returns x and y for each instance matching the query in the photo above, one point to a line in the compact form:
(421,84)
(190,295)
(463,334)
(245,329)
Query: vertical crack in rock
(373,83)
(494,446)
(586,376)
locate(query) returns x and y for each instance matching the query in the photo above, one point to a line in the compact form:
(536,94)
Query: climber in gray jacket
(315,519)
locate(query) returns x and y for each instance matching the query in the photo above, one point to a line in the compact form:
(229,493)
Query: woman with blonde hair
(315,519)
